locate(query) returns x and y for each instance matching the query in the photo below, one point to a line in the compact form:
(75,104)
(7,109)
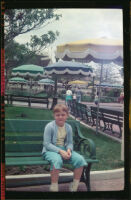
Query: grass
(12,112)
(108,151)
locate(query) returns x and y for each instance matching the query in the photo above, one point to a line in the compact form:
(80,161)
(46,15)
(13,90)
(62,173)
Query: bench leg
(53,103)
(111,128)
(105,127)
(120,132)
(11,101)
(86,176)
(88,119)
(29,102)
(93,122)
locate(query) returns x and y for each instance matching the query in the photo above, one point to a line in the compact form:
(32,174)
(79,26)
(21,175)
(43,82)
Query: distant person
(68,97)
(74,97)
(78,96)
(96,100)
(121,98)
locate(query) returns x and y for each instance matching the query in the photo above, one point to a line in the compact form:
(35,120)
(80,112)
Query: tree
(15,54)
(111,73)
(20,21)
(37,44)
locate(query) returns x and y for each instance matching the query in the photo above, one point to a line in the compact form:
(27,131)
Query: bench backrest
(30,126)
(27,135)
(112,112)
(109,111)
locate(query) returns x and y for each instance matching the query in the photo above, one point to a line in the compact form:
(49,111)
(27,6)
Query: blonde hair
(60,107)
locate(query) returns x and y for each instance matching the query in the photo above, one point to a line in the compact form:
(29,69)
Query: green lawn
(108,151)
(13,112)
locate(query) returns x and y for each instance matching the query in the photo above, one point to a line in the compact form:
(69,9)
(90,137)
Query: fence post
(122,145)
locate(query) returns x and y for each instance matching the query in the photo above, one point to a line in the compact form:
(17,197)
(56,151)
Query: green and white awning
(28,70)
(17,80)
(46,81)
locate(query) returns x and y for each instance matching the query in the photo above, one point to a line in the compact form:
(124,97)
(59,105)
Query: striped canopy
(46,81)
(108,85)
(17,80)
(68,68)
(28,70)
(99,50)
(78,82)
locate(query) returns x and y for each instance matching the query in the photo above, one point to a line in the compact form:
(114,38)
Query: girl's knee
(59,160)
(79,161)
(56,163)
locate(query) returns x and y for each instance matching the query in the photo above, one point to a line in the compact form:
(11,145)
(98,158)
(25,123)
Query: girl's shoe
(54,188)
(72,188)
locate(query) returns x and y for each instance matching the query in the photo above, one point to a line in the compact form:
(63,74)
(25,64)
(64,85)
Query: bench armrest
(87,148)
(85,145)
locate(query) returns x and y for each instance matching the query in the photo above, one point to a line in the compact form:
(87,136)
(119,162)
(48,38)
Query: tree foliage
(20,21)
(37,44)
(16,54)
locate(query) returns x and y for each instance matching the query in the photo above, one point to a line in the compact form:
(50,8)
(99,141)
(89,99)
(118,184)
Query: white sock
(74,185)
(54,187)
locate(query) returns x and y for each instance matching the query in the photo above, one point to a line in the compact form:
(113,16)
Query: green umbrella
(17,80)
(46,81)
(28,70)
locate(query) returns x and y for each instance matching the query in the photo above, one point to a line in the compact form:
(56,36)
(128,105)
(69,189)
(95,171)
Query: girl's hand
(69,152)
(64,154)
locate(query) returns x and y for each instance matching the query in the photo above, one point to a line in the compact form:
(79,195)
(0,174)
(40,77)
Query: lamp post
(99,95)
(93,93)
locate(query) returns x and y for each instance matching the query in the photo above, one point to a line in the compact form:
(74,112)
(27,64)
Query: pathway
(96,185)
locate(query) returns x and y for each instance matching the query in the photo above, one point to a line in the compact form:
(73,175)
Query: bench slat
(20,154)
(28,126)
(17,161)
(23,138)
(23,147)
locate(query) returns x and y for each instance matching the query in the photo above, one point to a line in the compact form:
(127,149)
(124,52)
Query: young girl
(58,148)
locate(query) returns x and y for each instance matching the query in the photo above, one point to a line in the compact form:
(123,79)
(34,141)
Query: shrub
(86,98)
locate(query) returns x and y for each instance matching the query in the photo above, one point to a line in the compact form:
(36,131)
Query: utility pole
(99,98)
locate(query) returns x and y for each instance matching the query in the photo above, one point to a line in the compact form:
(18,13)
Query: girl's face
(60,117)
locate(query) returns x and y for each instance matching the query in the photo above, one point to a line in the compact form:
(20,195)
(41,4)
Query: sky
(79,24)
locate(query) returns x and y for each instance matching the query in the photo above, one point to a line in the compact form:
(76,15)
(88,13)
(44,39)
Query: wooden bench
(77,109)
(109,118)
(73,107)
(81,110)
(85,112)
(27,99)
(24,142)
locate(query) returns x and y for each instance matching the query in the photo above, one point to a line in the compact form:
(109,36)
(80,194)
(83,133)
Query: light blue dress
(51,150)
